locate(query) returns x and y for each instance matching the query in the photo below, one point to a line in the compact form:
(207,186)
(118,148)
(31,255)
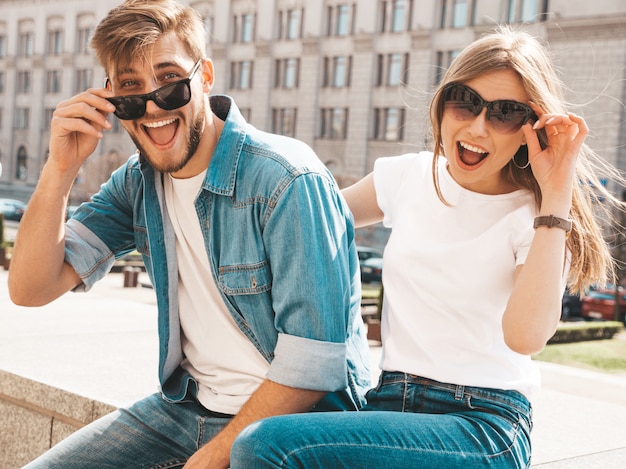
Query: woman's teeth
(469,147)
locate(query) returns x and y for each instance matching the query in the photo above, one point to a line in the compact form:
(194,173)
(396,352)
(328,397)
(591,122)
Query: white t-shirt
(448,272)
(226,365)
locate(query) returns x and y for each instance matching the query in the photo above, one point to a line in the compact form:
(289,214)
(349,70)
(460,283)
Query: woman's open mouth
(470,155)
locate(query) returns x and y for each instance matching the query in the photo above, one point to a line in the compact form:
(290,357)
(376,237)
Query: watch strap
(550,221)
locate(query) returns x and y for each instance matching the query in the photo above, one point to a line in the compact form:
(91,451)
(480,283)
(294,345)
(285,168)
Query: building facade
(352,78)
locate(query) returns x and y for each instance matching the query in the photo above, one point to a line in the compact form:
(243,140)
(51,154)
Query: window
(82,41)
(83,80)
(3,45)
(392,69)
(241,75)
(22,118)
(398,16)
(459,14)
(337,71)
(244,28)
(23,82)
(388,124)
(395,15)
(55,42)
(284,121)
(1,82)
(292,67)
(208,28)
(25,44)
(340,20)
(287,73)
(334,123)
(294,25)
(85,25)
(53,81)
(245,75)
(529,11)
(343,20)
(21,170)
(444,59)
(397,69)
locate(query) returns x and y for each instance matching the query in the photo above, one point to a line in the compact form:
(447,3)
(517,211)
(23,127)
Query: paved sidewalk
(96,343)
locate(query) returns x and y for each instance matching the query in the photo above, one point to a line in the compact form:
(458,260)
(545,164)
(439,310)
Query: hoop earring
(523,150)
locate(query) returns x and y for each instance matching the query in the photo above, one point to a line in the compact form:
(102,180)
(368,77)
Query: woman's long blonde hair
(507,49)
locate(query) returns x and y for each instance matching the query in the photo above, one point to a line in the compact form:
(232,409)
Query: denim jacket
(280,242)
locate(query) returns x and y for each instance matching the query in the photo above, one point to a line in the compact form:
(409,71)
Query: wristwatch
(550,221)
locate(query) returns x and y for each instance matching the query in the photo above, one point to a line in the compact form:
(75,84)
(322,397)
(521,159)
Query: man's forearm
(38,272)
(269,399)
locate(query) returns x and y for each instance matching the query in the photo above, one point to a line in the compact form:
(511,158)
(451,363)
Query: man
(244,234)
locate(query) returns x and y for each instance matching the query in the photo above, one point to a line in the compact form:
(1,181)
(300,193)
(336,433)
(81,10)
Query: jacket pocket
(245,279)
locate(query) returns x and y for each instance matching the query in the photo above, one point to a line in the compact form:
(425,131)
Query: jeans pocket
(210,426)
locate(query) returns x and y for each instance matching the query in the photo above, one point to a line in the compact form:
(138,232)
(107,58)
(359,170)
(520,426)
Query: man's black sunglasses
(505,116)
(168,97)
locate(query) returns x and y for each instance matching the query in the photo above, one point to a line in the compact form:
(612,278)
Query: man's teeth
(162,123)
(469,147)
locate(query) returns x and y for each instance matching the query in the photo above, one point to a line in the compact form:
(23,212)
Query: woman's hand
(555,166)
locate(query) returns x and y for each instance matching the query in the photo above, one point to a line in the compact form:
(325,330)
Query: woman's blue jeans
(153,433)
(409,422)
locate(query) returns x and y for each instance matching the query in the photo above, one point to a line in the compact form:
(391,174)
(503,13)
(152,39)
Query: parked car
(367,252)
(372,270)
(371,263)
(12,209)
(600,304)
(571,306)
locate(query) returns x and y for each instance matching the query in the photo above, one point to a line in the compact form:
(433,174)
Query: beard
(193,140)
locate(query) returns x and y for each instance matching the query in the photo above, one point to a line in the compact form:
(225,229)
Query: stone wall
(35,416)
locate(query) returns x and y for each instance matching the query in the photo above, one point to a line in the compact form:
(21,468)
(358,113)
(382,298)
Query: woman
(486,232)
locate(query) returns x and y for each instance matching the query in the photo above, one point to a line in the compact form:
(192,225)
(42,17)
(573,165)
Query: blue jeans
(153,433)
(409,422)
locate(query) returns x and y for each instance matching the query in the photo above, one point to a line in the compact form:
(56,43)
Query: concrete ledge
(34,417)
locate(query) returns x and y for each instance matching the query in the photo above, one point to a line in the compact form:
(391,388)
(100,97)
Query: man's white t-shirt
(226,365)
(448,273)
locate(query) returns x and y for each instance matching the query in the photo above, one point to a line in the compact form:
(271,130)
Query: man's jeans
(409,422)
(153,433)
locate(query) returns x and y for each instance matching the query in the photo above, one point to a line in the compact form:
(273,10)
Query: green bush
(582,331)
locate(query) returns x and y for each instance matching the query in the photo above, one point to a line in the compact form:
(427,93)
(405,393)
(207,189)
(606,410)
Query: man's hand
(269,399)
(77,126)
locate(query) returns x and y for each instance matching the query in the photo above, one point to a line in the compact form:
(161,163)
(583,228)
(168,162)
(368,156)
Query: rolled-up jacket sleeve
(309,364)
(90,257)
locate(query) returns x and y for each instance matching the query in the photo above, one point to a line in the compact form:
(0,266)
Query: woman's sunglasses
(168,97)
(505,116)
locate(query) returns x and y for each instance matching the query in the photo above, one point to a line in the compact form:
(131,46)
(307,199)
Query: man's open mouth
(162,132)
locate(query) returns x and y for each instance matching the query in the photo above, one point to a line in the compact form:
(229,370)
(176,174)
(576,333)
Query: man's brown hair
(134,26)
